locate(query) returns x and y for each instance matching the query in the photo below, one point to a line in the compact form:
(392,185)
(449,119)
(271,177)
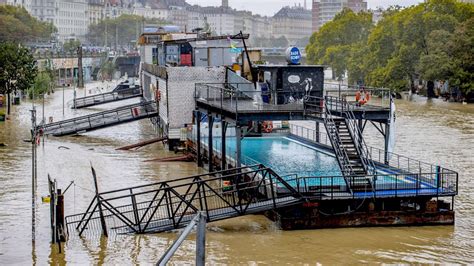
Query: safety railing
(310,134)
(97,120)
(236,98)
(173,204)
(106,97)
(348,92)
(384,185)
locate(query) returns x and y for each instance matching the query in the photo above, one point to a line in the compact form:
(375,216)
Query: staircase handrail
(359,139)
(339,150)
(344,107)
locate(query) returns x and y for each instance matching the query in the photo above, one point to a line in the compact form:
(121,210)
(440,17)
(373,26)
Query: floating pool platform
(405,191)
(341,180)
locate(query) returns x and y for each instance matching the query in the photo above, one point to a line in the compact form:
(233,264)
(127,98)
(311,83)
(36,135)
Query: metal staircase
(100,120)
(346,139)
(107,97)
(345,136)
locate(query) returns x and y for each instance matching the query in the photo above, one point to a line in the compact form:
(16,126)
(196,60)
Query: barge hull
(303,217)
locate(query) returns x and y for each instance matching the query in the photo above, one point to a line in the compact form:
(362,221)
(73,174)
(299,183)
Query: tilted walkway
(107,97)
(100,120)
(172,204)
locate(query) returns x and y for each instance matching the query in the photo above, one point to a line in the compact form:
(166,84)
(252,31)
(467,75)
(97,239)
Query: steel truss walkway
(173,204)
(106,98)
(100,120)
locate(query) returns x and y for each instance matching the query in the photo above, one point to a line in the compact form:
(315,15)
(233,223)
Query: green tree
(405,44)
(107,70)
(17,69)
(333,44)
(71,46)
(17,25)
(41,85)
(463,56)
(122,30)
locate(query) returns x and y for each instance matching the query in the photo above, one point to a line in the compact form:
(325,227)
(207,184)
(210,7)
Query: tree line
(430,41)
(18,69)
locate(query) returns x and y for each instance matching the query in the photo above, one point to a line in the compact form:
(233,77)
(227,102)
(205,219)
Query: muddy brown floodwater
(432,131)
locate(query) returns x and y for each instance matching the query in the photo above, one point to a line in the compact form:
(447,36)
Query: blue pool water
(289,157)
(285,156)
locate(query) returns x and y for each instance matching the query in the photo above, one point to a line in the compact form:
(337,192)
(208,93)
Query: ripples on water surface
(436,132)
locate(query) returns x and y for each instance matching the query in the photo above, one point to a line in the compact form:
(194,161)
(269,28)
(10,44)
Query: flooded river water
(432,131)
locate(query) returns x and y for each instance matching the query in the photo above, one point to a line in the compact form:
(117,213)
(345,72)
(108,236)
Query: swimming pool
(288,157)
(284,155)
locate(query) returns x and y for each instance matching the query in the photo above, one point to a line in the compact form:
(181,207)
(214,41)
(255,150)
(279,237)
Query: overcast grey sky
(270,7)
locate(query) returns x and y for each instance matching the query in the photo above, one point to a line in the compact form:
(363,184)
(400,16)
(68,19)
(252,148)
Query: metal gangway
(121,115)
(107,97)
(173,204)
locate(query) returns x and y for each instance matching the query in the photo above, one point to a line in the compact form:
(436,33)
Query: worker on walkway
(362,96)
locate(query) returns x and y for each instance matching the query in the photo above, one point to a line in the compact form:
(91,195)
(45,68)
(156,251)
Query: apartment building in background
(294,23)
(325,10)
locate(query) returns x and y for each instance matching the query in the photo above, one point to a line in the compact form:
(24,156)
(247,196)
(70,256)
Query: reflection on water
(434,131)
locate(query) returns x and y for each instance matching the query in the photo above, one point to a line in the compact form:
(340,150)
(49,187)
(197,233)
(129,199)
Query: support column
(210,120)
(223,144)
(80,74)
(387,137)
(317,132)
(198,138)
(238,141)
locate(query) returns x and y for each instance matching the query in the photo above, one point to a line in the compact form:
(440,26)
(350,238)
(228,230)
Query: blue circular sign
(293,56)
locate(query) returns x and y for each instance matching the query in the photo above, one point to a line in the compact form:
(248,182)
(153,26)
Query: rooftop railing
(348,93)
(238,98)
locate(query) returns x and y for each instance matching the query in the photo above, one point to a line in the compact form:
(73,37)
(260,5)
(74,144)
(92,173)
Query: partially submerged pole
(99,204)
(33,174)
(201,240)
(200,222)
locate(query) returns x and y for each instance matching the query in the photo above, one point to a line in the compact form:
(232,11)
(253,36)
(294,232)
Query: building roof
(295,12)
